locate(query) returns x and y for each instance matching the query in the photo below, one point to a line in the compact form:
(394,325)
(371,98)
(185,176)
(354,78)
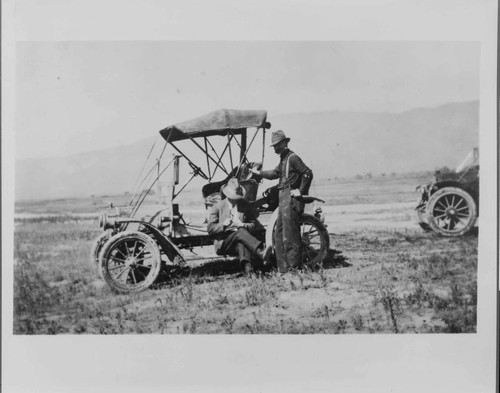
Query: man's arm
(251,222)
(214,226)
(269,175)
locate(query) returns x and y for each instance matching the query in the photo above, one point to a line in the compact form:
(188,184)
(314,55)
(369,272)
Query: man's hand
(295,193)
(255,171)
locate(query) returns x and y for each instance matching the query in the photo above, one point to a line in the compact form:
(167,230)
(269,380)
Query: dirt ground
(383,274)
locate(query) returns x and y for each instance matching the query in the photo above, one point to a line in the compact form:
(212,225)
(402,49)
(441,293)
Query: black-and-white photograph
(326,186)
(303,188)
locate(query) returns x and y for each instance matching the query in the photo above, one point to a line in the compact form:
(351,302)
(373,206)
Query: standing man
(235,222)
(294,181)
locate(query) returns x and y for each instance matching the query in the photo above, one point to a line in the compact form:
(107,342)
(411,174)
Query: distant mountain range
(333,143)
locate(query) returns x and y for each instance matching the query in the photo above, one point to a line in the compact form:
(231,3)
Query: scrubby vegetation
(377,281)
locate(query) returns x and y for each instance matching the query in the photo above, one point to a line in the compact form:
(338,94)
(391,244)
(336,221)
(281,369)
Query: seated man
(236,221)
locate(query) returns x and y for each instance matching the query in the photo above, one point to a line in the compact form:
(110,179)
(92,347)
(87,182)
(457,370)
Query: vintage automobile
(134,249)
(449,205)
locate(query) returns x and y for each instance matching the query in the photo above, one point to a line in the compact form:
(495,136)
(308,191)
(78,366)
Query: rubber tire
(97,248)
(324,238)
(438,195)
(155,258)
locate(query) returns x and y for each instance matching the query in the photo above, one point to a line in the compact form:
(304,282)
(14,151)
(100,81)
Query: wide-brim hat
(277,137)
(233,189)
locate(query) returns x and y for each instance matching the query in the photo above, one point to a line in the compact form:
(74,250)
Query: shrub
(259,292)
(391,302)
(357,321)
(418,297)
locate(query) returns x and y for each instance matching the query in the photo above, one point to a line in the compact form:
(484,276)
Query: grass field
(377,279)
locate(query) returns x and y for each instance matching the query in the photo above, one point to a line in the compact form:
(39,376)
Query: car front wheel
(130,262)
(452,211)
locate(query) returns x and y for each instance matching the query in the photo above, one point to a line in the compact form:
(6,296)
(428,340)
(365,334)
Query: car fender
(270,227)
(446,183)
(451,183)
(169,248)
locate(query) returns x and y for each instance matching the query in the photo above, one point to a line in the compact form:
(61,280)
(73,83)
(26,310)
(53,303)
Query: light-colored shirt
(234,215)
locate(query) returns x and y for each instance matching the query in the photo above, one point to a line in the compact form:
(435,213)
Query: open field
(383,275)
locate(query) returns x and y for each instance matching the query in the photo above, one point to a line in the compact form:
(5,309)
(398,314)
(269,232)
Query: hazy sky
(79,96)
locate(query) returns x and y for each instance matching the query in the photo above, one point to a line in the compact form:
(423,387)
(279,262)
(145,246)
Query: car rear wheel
(130,262)
(452,211)
(315,240)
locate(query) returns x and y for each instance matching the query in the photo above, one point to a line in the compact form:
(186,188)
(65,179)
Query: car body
(134,249)
(449,204)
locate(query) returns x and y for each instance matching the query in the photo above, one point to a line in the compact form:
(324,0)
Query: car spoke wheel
(452,211)
(130,262)
(315,240)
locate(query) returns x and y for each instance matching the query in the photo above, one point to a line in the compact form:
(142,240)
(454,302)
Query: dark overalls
(293,174)
(241,242)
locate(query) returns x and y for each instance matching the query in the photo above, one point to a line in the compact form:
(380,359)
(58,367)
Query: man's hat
(277,137)
(233,189)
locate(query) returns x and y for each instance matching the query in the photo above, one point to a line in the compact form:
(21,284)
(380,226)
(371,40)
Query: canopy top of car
(219,122)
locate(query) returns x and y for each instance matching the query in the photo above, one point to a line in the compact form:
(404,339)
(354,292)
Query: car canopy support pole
(263,145)
(219,158)
(208,155)
(158,175)
(243,150)
(145,193)
(136,187)
(235,139)
(143,167)
(229,138)
(244,155)
(187,158)
(184,186)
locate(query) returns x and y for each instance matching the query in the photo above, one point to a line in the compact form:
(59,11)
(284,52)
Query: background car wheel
(130,262)
(97,247)
(452,211)
(315,240)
